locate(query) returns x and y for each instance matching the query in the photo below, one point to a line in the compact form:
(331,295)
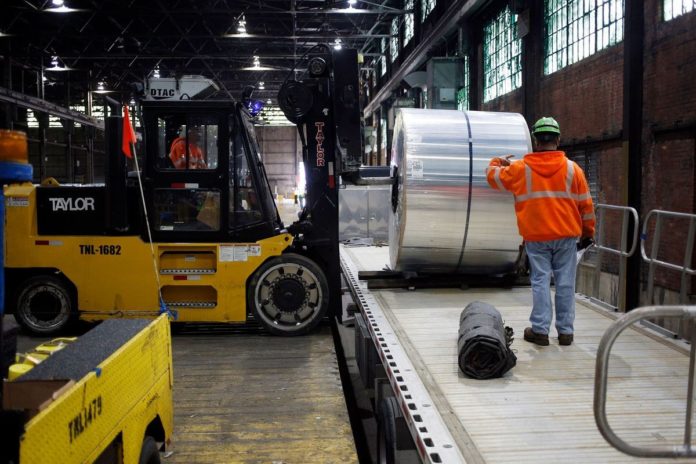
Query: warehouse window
(408,22)
(463,93)
(383,59)
(674,8)
(576,29)
(427,7)
(394,39)
(502,67)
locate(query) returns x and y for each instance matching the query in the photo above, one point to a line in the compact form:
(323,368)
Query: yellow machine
(107,397)
(201,233)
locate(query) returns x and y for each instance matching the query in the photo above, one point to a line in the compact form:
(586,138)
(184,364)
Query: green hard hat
(546,124)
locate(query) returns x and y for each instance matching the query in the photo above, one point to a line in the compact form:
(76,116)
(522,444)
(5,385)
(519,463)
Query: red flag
(128,134)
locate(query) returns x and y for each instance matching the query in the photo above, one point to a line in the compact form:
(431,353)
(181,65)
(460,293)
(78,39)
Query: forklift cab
(203,174)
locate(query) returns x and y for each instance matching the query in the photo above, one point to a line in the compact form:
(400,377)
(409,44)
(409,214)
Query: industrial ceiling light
(59,6)
(241,25)
(337,44)
(101,88)
(262,85)
(156,72)
(268,102)
(56,66)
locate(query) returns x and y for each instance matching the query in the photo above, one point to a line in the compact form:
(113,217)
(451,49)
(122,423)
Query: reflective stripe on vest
(496,176)
(530,195)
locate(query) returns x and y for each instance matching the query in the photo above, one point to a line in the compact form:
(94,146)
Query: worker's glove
(585,242)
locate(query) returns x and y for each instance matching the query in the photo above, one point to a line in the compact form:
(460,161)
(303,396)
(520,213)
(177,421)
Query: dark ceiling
(119,42)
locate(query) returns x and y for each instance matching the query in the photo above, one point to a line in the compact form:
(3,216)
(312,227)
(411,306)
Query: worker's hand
(585,242)
(505,160)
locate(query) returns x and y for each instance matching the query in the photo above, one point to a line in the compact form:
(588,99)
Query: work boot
(565,339)
(533,337)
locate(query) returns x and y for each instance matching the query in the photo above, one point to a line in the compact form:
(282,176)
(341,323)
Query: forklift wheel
(149,454)
(44,305)
(288,294)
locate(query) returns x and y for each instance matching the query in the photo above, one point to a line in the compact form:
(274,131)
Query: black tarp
(484,342)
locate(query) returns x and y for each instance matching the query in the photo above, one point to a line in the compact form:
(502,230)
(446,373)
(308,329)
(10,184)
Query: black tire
(149,453)
(44,306)
(386,430)
(288,295)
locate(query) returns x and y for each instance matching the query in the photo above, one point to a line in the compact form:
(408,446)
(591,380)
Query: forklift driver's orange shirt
(552,198)
(177,154)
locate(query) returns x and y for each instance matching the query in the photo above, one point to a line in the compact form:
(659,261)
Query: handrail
(652,260)
(600,392)
(622,252)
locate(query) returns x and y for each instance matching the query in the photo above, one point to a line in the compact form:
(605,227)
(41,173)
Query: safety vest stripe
(569,176)
(587,217)
(570,173)
(498,182)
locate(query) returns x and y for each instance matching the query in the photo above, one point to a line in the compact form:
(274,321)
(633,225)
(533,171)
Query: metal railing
(652,260)
(622,252)
(600,392)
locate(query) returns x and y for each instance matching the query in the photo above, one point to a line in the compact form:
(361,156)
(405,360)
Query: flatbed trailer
(541,410)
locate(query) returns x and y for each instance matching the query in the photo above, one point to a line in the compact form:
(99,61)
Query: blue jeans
(557,257)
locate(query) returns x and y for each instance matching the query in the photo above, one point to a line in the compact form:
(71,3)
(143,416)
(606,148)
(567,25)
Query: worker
(554,209)
(177,151)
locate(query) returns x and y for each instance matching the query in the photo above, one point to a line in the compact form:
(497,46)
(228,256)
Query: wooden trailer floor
(541,410)
(253,398)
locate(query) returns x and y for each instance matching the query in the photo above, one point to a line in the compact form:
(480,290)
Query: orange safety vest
(552,198)
(177,154)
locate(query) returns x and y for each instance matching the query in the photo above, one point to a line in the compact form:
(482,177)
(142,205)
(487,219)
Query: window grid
(383,58)
(427,7)
(502,51)
(463,93)
(673,8)
(394,39)
(408,22)
(576,29)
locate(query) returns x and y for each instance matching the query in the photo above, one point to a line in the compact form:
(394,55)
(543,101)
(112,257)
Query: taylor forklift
(219,251)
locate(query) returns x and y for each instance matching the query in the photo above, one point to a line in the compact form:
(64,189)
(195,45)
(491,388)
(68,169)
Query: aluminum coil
(444,217)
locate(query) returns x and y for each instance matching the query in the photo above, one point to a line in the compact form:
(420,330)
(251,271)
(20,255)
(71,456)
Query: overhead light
(131,102)
(2,34)
(101,88)
(156,72)
(352,2)
(337,44)
(59,6)
(262,85)
(268,102)
(56,66)
(241,25)
(258,67)
(257,62)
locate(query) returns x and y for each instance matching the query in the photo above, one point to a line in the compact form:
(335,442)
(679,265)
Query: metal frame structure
(600,392)
(622,252)
(433,440)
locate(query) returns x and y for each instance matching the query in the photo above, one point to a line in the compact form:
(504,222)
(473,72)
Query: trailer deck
(541,410)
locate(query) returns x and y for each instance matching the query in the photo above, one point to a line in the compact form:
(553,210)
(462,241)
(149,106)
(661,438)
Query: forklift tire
(386,430)
(288,295)
(44,305)
(149,453)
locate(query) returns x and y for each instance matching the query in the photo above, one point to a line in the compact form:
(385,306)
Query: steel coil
(444,217)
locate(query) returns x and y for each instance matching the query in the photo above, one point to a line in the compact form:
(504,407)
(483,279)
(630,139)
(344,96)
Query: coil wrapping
(444,217)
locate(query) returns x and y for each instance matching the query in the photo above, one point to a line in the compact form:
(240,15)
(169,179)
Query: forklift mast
(325,108)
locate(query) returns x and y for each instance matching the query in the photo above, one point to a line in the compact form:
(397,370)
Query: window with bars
(463,93)
(673,8)
(502,52)
(408,21)
(394,39)
(576,29)
(427,7)
(383,59)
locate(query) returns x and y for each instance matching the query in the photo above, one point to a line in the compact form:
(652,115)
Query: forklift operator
(177,152)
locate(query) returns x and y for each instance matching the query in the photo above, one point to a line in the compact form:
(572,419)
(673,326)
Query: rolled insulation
(444,216)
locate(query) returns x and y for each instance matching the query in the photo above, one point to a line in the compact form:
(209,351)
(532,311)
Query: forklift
(219,252)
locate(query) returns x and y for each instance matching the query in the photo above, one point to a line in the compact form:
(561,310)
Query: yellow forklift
(219,248)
